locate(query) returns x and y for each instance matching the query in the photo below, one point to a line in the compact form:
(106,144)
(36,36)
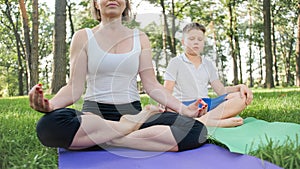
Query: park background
(251,42)
(255,42)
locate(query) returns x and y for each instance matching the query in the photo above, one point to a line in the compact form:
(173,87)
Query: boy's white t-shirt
(190,83)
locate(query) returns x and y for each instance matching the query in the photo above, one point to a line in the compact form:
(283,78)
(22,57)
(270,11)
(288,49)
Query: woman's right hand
(37,100)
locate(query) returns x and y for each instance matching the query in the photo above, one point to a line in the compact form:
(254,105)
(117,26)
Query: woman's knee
(58,128)
(190,137)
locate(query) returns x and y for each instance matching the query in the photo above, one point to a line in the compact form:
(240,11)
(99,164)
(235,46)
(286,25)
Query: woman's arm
(70,93)
(73,90)
(169,85)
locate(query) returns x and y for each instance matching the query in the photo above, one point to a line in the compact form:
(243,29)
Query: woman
(108,59)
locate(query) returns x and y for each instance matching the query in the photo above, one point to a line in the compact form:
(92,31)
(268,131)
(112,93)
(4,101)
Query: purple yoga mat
(209,156)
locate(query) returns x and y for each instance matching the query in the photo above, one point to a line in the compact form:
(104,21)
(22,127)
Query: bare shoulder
(79,40)
(145,43)
(79,36)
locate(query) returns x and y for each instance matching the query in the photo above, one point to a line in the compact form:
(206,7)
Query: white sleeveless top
(112,78)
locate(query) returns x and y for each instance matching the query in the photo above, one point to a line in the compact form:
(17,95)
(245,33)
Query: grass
(20,148)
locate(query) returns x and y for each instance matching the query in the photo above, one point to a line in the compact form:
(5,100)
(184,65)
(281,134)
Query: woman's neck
(111,23)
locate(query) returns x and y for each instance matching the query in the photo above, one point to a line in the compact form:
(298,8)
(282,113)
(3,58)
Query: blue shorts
(211,102)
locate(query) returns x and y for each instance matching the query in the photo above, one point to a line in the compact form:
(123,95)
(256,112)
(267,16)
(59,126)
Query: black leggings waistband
(111,111)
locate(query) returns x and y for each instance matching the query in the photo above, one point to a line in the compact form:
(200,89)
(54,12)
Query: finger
(202,102)
(35,97)
(46,105)
(196,103)
(31,93)
(41,99)
(242,93)
(249,99)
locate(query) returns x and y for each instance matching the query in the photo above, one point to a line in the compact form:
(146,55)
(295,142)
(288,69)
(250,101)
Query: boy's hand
(246,92)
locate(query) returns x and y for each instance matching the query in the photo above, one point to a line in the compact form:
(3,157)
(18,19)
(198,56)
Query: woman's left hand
(193,109)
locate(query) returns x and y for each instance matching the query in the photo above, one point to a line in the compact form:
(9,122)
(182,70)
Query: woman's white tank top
(112,78)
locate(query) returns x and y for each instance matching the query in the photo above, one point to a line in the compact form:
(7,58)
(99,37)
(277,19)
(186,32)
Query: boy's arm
(218,87)
(244,92)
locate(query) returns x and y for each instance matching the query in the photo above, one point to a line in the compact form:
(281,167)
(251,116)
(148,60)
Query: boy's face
(193,42)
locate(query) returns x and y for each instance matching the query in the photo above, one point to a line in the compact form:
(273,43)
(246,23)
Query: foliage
(10,65)
(213,14)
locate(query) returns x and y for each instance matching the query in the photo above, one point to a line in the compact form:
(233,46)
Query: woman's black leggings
(58,128)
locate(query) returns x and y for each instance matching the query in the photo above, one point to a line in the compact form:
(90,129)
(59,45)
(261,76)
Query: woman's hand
(193,109)
(37,100)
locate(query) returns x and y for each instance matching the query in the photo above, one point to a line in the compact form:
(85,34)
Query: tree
(70,7)
(250,60)
(298,49)
(59,51)
(231,34)
(31,44)
(34,46)
(268,46)
(14,26)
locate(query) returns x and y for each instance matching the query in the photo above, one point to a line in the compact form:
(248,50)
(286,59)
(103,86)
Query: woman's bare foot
(134,122)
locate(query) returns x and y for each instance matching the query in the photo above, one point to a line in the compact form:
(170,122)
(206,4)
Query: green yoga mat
(255,133)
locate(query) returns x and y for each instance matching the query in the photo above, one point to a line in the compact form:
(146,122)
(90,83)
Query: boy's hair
(96,12)
(192,26)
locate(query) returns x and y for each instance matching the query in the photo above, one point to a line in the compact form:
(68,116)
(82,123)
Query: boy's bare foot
(134,122)
(230,122)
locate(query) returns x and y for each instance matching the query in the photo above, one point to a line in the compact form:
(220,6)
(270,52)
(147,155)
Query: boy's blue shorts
(211,102)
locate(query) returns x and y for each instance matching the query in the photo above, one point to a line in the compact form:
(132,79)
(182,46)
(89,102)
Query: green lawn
(19,147)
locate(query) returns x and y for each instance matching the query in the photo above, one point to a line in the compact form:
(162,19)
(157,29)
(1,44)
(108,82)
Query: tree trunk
(59,57)
(27,42)
(233,50)
(260,63)
(274,52)
(250,61)
(290,79)
(18,44)
(298,50)
(268,45)
(70,17)
(173,40)
(166,33)
(34,45)
(238,53)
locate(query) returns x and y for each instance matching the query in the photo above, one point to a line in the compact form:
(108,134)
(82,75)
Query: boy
(189,74)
